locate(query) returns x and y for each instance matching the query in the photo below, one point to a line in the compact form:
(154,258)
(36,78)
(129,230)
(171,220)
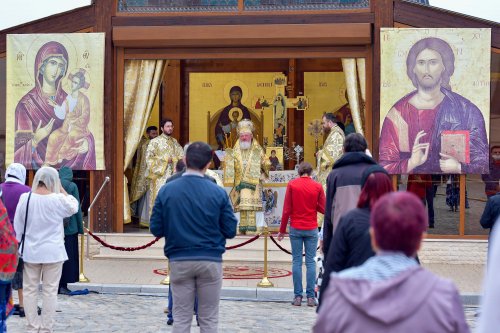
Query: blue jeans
(308,240)
(4,299)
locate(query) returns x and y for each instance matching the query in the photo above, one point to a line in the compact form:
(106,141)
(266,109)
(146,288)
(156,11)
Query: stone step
(435,251)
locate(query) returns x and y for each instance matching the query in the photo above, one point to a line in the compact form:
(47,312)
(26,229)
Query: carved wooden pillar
(171,100)
(107,214)
(384,18)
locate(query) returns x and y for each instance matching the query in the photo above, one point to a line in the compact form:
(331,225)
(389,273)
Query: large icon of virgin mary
(235,107)
(36,118)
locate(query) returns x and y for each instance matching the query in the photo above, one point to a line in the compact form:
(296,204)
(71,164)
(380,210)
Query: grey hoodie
(413,301)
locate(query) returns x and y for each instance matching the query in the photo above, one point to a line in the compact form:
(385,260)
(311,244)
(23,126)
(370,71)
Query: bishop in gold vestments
(332,150)
(245,167)
(161,157)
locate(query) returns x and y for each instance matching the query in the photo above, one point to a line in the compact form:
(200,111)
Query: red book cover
(456,144)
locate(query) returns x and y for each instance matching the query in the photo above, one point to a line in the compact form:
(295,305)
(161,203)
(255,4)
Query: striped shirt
(383,266)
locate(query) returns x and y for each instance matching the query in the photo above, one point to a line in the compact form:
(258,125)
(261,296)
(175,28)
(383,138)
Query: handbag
(20,262)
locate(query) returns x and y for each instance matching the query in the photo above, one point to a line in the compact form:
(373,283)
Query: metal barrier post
(82,277)
(166,280)
(265,283)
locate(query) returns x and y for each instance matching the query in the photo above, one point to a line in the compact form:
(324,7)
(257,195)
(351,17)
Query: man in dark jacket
(351,243)
(195,217)
(491,211)
(343,184)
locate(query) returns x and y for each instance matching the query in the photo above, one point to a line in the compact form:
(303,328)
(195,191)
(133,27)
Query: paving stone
(135,313)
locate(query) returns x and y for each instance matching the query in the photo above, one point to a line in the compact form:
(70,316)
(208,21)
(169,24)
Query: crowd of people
(39,226)
(370,235)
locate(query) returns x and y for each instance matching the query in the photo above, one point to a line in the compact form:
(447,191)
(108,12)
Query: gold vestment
(215,176)
(158,153)
(245,170)
(327,156)
(139,184)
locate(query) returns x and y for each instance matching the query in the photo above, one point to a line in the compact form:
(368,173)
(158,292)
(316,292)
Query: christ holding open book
(433,130)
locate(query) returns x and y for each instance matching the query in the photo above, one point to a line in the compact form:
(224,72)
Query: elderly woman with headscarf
(39,217)
(8,263)
(73,226)
(15,177)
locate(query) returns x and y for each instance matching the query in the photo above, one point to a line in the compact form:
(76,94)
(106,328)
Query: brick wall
(440,251)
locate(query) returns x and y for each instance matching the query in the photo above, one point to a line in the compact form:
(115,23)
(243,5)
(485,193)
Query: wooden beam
(395,182)
(319,65)
(284,17)
(371,124)
(184,102)
(431,17)
(90,223)
(461,225)
(67,22)
(243,35)
(383,18)
(235,65)
(248,53)
(294,128)
(107,216)
(31,175)
(119,142)
(438,236)
(171,104)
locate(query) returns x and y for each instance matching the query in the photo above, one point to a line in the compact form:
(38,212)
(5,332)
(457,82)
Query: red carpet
(242,272)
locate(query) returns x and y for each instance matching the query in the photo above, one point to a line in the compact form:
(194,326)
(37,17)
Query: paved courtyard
(140,313)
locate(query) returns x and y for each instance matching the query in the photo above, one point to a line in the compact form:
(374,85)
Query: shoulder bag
(20,262)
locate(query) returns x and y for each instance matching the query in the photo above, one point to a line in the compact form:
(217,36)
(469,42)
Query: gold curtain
(141,84)
(360,62)
(351,80)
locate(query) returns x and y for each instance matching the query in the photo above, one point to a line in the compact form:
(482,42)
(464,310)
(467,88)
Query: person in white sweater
(43,250)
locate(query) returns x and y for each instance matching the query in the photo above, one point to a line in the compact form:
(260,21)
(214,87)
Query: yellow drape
(351,80)
(360,62)
(142,82)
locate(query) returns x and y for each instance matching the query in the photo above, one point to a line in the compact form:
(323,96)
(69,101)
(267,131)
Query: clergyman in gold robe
(245,168)
(332,150)
(139,193)
(162,155)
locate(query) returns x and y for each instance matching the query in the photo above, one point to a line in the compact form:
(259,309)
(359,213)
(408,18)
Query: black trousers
(71,269)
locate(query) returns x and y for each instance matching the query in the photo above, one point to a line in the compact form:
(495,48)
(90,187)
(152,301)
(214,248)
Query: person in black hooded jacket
(73,226)
(351,243)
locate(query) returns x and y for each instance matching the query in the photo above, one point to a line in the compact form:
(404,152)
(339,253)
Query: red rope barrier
(279,246)
(130,249)
(283,249)
(244,243)
(121,248)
